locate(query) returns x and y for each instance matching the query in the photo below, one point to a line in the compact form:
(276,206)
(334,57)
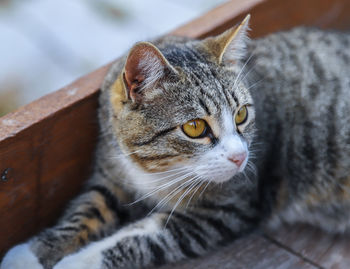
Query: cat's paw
(81,260)
(20,257)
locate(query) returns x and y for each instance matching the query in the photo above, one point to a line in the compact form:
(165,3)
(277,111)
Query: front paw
(84,259)
(20,257)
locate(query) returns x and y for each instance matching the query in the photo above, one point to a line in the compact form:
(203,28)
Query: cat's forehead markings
(213,123)
(227,122)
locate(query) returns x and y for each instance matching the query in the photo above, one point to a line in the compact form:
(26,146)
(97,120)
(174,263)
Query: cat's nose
(238,159)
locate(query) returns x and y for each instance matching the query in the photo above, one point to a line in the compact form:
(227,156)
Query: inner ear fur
(144,66)
(230,45)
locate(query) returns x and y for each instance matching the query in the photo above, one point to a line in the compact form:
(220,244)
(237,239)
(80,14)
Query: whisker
(257,143)
(251,168)
(160,179)
(206,186)
(193,186)
(254,84)
(247,73)
(124,155)
(200,183)
(240,72)
(170,195)
(246,177)
(177,203)
(167,171)
(162,187)
(184,186)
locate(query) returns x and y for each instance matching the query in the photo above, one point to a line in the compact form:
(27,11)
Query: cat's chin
(222,178)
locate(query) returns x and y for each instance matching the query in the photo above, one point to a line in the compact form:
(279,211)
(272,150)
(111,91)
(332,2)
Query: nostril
(238,159)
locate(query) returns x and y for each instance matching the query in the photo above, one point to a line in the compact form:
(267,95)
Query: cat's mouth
(222,172)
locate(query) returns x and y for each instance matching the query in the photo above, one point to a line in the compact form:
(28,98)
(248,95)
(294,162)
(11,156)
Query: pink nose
(238,159)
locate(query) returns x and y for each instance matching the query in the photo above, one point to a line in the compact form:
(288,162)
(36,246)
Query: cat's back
(307,58)
(302,80)
(304,100)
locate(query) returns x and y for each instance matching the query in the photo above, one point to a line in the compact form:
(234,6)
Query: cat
(205,141)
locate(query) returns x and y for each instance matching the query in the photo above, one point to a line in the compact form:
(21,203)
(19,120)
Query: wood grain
(47,164)
(217,20)
(329,251)
(270,16)
(252,252)
(46,147)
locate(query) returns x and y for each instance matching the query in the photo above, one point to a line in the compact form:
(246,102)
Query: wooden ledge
(51,104)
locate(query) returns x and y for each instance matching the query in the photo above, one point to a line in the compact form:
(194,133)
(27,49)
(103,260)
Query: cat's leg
(94,214)
(153,241)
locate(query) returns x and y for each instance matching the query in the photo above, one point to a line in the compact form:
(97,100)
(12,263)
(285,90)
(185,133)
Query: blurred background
(46,44)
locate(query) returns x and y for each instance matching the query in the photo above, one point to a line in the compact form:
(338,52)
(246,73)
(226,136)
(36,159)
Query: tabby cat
(203,141)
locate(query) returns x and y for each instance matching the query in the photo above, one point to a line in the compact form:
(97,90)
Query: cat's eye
(195,128)
(241,115)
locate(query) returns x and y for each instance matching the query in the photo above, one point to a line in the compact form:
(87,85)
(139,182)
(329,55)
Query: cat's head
(184,105)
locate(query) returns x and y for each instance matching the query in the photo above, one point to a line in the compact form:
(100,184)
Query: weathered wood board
(327,250)
(253,252)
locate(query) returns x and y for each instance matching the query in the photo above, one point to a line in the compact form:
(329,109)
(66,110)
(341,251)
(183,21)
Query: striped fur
(304,121)
(154,196)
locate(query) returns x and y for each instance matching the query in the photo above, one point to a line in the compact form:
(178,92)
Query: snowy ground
(46,44)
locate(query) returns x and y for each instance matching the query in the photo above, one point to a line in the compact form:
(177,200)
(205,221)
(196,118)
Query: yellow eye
(241,115)
(194,128)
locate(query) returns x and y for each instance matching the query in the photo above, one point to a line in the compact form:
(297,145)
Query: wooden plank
(270,16)
(51,104)
(253,252)
(47,146)
(217,19)
(47,164)
(327,250)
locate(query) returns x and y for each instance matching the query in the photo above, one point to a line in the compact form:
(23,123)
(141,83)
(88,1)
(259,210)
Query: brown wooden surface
(47,146)
(270,16)
(294,247)
(252,252)
(327,250)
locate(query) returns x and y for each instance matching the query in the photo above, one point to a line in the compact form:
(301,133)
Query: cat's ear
(230,45)
(144,67)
